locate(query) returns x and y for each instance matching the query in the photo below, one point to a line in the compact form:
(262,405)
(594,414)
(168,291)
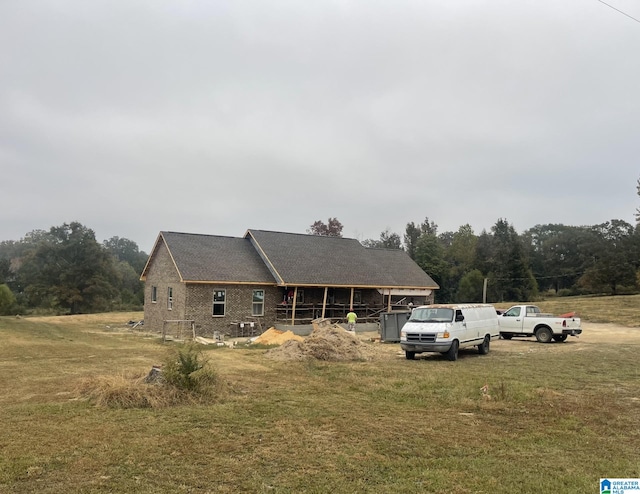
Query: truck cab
(529,320)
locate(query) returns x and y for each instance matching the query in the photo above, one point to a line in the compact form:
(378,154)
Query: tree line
(551,259)
(65,270)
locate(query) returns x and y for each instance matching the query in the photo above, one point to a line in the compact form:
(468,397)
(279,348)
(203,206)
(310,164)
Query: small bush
(187,369)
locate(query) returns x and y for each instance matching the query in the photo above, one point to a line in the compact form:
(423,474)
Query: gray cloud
(214,117)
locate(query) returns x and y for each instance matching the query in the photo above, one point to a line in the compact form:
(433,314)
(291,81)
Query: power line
(570,274)
(618,10)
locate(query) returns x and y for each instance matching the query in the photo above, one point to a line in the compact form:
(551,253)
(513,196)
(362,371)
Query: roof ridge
(201,234)
(300,234)
(385,248)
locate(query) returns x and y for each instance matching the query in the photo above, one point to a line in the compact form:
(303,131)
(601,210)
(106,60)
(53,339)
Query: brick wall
(162,274)
(238,306)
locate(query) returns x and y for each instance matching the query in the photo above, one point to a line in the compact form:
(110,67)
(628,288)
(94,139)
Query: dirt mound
(274,336)
(326,342)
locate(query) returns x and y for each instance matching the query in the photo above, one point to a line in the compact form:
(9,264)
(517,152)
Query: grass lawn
(554,418)
(623,309)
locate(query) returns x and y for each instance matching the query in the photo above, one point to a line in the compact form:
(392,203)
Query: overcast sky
(215,117)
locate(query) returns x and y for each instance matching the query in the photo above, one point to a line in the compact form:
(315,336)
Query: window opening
(257,305)
(219,302)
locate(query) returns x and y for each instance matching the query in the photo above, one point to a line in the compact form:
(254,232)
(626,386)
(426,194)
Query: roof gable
(210,258)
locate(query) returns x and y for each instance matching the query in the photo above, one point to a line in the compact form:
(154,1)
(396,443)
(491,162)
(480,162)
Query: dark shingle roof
(290,259)
(297,259)
(216,258)
(397,269)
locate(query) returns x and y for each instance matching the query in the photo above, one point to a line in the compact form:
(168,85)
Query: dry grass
(121,391)
(525,418)
(622,309)
(101,320)
(184,378)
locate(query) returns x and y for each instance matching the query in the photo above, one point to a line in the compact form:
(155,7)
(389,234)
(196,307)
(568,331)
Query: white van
(447,328)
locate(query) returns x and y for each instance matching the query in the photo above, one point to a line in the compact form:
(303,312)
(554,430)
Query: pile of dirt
(274,336)
(326,342)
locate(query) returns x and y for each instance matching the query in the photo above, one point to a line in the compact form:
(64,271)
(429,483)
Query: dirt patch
(593,334)
(326,342)
(334,343)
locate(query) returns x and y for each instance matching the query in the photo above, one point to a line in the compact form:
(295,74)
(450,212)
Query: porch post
(389,301)
(351,301)
(324,300)
(293,307)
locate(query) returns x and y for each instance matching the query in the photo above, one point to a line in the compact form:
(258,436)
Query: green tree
(388,240)
(430,257)
(69,270)
(129,286)
(510,273)
(413,232)
(333,228)
(5,271)
(460,254)
(484,257)
(14,252)
(638,209)
(10,249)
(126,250)
(613,262)
(129,262)
(7,300)
(556,254)
(471,286)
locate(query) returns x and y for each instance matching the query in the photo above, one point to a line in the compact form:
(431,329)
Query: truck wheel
(560,337)
(452,354)
(506,336)
(544,335)
(410,355)
(483,348)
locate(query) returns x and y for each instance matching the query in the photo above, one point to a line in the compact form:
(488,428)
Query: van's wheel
(560,337)
(410,355)
(544,335)
(506,336)
(483,348)
(452,354)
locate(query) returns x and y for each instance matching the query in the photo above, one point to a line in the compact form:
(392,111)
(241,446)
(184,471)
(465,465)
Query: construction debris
(329,342)
(274,336)
(203,341)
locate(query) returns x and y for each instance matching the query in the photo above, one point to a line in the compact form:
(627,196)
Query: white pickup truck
(527,320)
